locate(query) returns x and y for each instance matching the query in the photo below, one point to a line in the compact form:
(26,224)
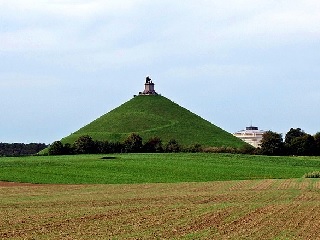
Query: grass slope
(152,168)
(151,116)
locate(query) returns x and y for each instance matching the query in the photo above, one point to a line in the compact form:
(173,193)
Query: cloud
(267,46)
(213,70)
(30,40)
(24,81)
(66,8)
(276,26)
(138,33)
(120,31)
(97,35)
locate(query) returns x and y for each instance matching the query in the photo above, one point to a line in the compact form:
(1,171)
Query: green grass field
(151,116)
(159,196)
(152,168)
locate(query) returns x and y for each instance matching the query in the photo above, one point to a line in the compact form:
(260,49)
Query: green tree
(272,144)
(292,134)
(56,148)
(84,145)
(194,148)
(116,147)
(102,147)
(304,145)
(153,145)
(68,149)
(172,146)
(133,143)
(317,143)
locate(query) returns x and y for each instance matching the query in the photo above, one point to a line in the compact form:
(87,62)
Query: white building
(251,135)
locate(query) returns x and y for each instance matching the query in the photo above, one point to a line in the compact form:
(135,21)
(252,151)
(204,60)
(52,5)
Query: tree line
(132,144)
(20,149)
(296,142)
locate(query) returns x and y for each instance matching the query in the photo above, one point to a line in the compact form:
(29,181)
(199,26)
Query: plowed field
(251,209)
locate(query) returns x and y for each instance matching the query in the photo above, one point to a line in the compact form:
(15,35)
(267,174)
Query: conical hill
(155,115)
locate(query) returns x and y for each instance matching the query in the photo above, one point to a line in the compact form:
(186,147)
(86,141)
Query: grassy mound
(151,116)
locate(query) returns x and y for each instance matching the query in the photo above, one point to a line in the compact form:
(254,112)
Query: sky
(64,63)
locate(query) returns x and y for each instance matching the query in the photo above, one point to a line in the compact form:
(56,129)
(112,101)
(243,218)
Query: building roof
(250,130)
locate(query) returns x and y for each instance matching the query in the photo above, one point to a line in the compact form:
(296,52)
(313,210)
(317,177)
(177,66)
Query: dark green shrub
(272,144)
(315,174)
(153,145)
(172,146)
(133,143)
(56,148)
(84,145)
(194,148)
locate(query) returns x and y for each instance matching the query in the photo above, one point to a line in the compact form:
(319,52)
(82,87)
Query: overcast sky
(63,63)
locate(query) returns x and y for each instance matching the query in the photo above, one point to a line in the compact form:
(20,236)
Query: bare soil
(14,184)
(257,209)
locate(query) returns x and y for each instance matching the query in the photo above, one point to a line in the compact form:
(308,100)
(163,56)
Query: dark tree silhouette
(153,145)
(317,142)
(84,145)
(172,146)
(304,145)
(272,144)
(292,134)
(20,149)
(133,143)
(56,148)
